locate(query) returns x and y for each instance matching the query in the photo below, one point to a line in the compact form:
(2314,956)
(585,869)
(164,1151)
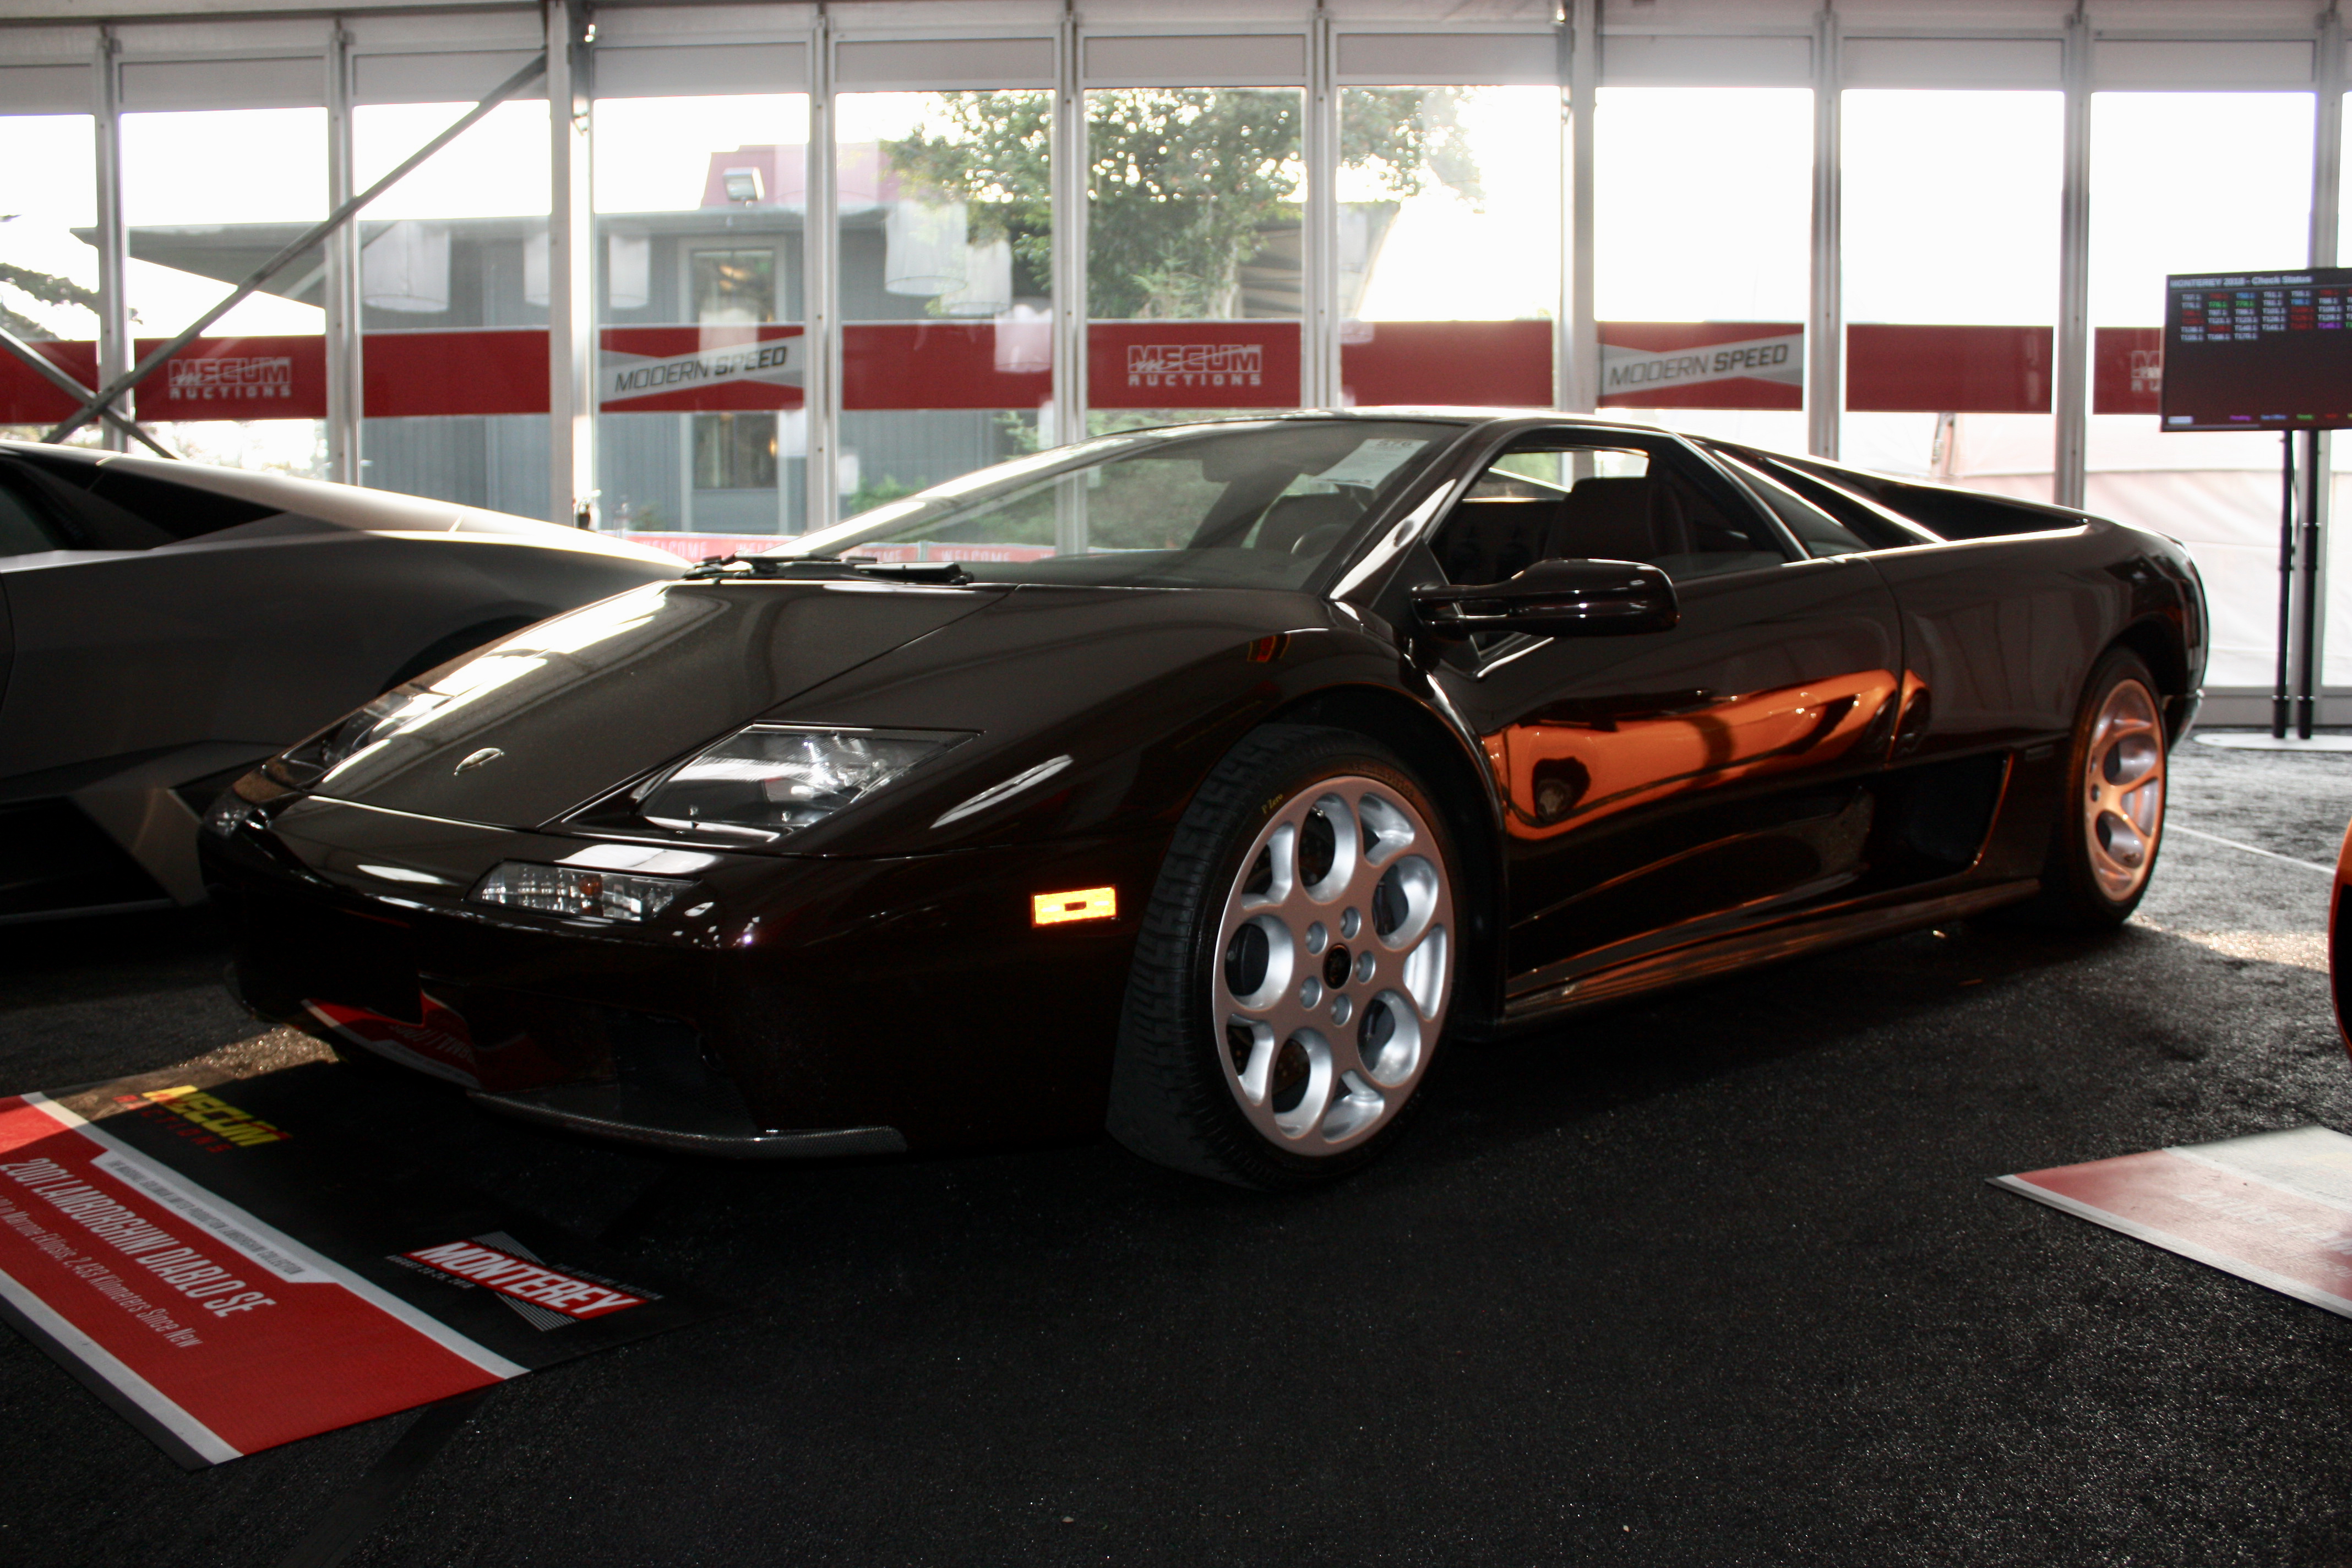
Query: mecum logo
(1195,364)
(236,380)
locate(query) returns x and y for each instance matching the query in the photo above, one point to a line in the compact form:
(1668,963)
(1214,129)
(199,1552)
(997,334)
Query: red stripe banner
(1901,369)
(947,365)
(1470,365)
(1007,363)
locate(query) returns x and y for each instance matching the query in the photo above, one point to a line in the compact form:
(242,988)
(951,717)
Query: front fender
(1143,692)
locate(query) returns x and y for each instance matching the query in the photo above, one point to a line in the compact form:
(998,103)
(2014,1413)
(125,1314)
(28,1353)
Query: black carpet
(1712,1280)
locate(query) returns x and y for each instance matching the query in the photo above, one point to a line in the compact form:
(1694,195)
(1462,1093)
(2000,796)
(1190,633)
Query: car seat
(1306,524)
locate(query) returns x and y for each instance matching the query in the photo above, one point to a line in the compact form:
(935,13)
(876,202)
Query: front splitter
(631,1113)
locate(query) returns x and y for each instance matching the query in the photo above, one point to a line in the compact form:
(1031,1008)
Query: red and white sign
(524,1280)
(648,370)
(1655,364)
(2274,1208)
(236,378)
(1192,365)
(704,546)
(218,1333)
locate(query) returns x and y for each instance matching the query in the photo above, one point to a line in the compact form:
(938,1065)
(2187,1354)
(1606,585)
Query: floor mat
(2274,1208)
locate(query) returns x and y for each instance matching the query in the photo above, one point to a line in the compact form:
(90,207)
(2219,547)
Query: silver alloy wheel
(2123,793)
(1335,964)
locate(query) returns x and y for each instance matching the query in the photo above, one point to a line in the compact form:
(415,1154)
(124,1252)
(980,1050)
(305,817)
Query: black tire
(1181,1079)
(2083,886)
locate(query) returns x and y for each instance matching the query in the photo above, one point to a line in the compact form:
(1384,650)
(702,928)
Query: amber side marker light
(1086,904)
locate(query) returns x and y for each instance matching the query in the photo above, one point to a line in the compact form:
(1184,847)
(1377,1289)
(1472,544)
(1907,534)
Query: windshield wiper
(804,568)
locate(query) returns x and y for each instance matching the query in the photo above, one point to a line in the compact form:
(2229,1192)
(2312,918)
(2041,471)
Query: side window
(1866,519)
(1817,530)
(1549,499)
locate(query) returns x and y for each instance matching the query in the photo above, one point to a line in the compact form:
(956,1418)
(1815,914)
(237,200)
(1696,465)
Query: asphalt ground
(1717,1279)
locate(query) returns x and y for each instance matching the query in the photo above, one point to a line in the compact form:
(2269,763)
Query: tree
(1185,182)
(45,287)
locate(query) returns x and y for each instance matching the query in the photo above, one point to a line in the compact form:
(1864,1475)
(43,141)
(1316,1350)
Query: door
(1665,784)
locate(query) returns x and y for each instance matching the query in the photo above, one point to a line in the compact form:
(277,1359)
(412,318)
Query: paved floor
(1713,1280)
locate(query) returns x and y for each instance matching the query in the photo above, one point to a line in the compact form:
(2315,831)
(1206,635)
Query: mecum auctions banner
(2274,1208)
(231,1269)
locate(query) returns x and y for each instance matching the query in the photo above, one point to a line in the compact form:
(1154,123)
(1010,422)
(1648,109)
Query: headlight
(229,813)
(765,781)
(577,890)
(301,766)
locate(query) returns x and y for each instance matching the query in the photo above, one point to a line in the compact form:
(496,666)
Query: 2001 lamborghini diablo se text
(1211,783)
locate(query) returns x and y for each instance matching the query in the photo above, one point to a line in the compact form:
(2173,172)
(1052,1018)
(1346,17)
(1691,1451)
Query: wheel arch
(2159,644)
(1464,792)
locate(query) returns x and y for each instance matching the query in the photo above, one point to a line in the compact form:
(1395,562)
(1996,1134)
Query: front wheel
(1292,980)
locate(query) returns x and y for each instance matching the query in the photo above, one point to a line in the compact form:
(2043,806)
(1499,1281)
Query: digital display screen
(2259,350)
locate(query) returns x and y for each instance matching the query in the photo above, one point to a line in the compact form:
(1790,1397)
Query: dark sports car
(164,625)
(1209,782)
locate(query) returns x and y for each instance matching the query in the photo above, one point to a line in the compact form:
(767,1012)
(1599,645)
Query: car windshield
(1260,505)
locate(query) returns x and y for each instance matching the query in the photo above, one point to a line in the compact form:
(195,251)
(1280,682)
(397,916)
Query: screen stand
(2307,694)
(2298,612)
(2280,699)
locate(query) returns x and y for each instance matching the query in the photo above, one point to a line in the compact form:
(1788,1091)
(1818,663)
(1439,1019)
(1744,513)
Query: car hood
(1121,696)
(562,712)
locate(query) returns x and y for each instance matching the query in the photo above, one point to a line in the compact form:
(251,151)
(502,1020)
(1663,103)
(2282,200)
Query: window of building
(700,208)
(735,451)
(1703,240)
(1449,243)
(1195,265)
(734,287)
(1950,222)
(2197,182)
(947,293)
(205,194)
(454,291)
(50,290)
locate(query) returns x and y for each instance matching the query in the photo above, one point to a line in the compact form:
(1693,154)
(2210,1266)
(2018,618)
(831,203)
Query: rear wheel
(2111,817)
(1291,984)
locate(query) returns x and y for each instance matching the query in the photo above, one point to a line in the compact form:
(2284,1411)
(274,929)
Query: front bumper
(794,1006)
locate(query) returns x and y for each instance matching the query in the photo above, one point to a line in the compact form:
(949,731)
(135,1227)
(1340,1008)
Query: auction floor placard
(2274,1208)
(231,1275)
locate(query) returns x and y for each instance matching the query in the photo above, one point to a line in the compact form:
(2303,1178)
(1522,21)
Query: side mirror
(1554,599)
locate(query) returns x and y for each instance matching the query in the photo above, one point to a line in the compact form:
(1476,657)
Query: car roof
(336,505)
